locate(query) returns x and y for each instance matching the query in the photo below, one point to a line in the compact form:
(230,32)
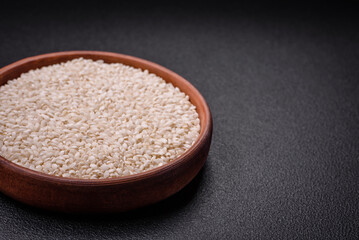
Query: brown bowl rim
(206,127)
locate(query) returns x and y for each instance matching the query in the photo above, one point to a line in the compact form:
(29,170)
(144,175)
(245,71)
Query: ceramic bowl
(113,194)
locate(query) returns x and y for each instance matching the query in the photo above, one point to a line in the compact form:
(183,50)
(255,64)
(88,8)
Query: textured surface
(283,87)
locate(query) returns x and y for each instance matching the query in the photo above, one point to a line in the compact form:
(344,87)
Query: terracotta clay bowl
(114,194)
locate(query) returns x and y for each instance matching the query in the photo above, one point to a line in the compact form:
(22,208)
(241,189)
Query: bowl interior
(14,70)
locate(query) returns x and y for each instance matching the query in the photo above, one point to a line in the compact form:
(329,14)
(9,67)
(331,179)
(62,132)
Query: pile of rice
(89,119)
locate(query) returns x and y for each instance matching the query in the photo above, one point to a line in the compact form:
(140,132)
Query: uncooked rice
(89,119)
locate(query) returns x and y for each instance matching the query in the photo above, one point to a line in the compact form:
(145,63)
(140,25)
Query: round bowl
(114,194)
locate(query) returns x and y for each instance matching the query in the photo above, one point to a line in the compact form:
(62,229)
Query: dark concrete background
(282,82)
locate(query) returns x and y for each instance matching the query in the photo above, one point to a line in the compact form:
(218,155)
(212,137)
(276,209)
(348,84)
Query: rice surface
(89,119)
